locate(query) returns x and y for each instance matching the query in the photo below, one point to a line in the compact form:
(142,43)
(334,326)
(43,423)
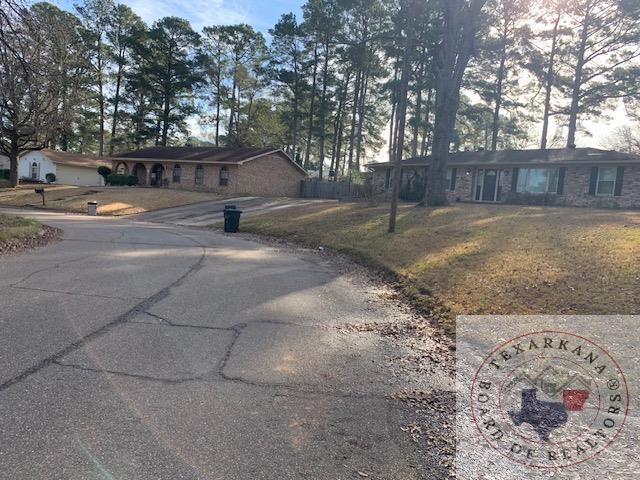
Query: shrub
(539,199)
(122,180)
(29,180)
(104,172)
(5,173)
(51,177)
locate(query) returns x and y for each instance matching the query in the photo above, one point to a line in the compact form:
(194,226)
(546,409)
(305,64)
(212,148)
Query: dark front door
(490,185)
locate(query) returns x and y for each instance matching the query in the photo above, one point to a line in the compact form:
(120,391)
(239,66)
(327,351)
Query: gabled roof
(215,155)
(75,159)
(515,158)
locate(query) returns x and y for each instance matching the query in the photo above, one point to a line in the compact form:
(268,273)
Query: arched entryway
(140,171)
(155,179)
(122,168)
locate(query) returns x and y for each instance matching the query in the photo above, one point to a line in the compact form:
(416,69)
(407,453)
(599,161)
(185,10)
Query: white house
(4,162)
(69,168)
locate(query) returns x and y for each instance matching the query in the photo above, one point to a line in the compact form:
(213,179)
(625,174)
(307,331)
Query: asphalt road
(133,350)
(207,213)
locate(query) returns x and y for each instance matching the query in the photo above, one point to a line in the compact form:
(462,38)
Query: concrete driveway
(132,350)
(207,213)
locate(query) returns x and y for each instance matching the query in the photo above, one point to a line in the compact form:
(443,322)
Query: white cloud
(200,13)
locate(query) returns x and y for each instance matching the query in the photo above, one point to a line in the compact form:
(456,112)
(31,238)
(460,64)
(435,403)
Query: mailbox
(40,191)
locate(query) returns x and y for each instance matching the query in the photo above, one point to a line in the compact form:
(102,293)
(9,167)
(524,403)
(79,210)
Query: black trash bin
(231,220)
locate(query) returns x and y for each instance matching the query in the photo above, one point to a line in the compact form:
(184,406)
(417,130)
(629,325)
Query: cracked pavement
(132,350)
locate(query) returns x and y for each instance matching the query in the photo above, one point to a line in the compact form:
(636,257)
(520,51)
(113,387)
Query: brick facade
(575,187)
(268,175)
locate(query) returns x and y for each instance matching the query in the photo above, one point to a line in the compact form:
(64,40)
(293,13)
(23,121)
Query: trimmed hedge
(5,173)
(534,199)
(122,180)
(50,177)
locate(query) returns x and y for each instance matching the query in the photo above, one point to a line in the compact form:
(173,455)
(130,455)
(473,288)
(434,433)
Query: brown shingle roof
(557,156)
(76,159)
(201,154)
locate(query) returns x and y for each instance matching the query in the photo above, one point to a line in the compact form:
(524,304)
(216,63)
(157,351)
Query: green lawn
(14,228)
(482,259)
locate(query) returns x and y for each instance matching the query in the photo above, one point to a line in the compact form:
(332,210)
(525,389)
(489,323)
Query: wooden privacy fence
(333,190)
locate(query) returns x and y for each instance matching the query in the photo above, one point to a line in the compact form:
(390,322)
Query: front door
(487,185)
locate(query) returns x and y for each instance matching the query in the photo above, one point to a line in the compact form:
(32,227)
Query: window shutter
(514,179)
(452,186)
(619,176)
(593,181)
(561,173)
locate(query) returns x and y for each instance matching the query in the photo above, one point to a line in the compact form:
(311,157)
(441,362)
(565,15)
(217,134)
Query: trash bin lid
(92,202)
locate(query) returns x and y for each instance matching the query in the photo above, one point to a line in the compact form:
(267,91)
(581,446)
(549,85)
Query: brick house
(581,177)
(255,171)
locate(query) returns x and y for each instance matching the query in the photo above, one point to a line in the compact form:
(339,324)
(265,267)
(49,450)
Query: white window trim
(615,180)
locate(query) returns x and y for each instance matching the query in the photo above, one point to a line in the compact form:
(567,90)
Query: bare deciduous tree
(29,86)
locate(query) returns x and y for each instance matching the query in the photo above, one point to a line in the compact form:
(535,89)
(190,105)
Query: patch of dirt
(45,236)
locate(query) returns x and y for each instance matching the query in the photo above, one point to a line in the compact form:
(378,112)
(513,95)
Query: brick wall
(464,186)
(576,190)
(211,180)
(576,187)
(272,176)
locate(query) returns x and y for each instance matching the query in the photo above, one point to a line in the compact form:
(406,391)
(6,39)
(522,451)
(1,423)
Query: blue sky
(261,14)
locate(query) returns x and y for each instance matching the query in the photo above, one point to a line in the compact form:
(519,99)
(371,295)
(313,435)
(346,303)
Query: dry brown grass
(482,259)
(111,200)
(15,228)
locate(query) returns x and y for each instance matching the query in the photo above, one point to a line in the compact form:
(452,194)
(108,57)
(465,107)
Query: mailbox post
(40,191)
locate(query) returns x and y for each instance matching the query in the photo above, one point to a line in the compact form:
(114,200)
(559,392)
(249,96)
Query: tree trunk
(100,102)
(233,103)
(495,126)
(409,9)
(323,107)
(13,163)
(549,84)
(354,112)
(394,107)
(218,101)
(116,103)
(307,153)
(361,116)
(418,112)
(337,126)
(426,135)
(460,26)
(296,93)
(577,83)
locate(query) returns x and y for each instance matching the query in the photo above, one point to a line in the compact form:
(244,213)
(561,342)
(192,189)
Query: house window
(35,171)
(538,180)
(177,172)
(606,181)
(199,175)
(224,177)
(121,169)
(451,179)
